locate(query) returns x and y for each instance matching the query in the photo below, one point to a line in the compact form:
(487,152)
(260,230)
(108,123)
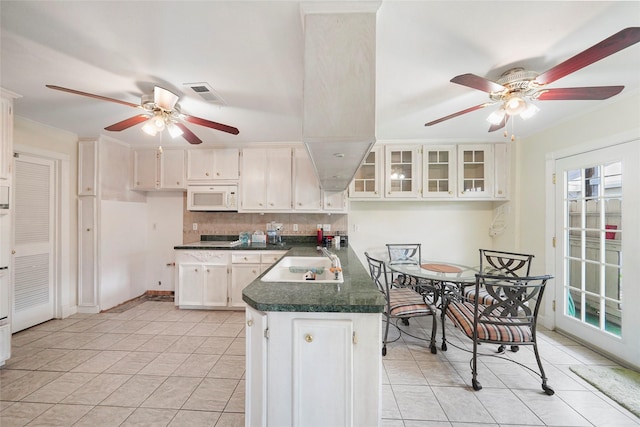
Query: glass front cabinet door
(475,171)
(366,182)
(439,171)
(402,178)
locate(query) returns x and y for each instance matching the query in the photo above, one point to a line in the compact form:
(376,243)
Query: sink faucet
(335,262)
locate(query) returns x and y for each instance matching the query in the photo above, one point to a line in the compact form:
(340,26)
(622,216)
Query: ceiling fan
(161,111)
(517,85)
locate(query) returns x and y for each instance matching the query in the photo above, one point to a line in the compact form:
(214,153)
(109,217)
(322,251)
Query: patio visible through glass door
(596,233)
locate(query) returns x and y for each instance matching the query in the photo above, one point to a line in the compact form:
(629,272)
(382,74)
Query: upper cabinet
(159,169)
(307,195)
(87,167)
(6,132)
(401,171)
(366,182)
(447,171)
(208,165)
(265,184)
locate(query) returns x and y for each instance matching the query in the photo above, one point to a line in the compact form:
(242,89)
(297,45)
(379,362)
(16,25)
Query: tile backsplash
(233,223)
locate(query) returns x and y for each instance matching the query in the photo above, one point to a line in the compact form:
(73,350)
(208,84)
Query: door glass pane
(593,200)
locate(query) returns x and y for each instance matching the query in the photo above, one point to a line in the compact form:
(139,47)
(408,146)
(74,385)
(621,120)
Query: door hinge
(553,241)
(553,178)
(354,338)
(266,333)
(553,305)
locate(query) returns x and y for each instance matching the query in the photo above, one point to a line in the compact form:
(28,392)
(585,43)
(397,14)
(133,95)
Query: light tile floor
(156,365)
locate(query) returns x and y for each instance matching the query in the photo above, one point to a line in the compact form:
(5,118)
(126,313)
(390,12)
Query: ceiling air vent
(205,92)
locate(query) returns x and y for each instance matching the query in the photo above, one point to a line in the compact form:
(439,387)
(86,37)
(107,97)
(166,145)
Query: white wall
(164,231)
(448,231)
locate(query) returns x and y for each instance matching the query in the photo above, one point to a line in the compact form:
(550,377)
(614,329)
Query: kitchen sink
(303,269)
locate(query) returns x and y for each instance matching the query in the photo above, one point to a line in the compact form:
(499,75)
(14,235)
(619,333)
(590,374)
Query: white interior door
(34,195)
(598,235)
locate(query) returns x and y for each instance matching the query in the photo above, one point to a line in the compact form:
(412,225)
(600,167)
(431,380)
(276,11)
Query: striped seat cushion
(407,302)
(461,313)
(483,295)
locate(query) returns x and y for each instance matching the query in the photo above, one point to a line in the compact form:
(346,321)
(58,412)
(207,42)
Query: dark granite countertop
(358,293)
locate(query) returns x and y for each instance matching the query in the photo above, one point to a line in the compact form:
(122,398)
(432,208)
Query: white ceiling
(252,54)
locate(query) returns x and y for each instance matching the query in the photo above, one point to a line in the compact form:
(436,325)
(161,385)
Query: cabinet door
(200,165)
(145,169)
(241,276)
(306,187)
(226,163)
(334,201)
(253,193)
(216,283)
(278,178)
(190,280)
(439,171)
(475,171)
(256,375)
(322,346)
(401,171)
(6,136)
(172,169)
(367,181)
(87,252)
(87,167)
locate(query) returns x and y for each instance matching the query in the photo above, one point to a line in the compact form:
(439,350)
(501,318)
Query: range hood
(339,88)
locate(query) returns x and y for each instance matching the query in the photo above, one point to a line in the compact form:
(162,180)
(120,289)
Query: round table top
(438,270)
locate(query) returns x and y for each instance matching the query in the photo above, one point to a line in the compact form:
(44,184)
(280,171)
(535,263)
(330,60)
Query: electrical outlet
(355,228)
(326,227)
(295,227)
(195,225)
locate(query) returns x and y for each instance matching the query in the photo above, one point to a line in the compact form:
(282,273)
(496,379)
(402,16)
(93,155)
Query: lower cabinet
(211,279)
(312,368)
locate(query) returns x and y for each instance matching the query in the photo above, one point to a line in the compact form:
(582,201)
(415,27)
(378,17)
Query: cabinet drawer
(271,257)
(199,256)
(245,258)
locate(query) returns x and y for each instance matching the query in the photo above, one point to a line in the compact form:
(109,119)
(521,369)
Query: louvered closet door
(33,290)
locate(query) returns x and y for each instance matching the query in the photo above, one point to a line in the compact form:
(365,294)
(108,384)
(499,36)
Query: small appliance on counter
(258,237)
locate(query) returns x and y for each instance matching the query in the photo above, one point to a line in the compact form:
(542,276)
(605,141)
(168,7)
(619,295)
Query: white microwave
(212,197)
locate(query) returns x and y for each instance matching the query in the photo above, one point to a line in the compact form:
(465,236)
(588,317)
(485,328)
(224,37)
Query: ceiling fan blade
(188,135)
(126,124)
(91,95)
(606,47)
(477,82)
(459,113)
(500,125)
(164,98)
(210,124)
(579,93)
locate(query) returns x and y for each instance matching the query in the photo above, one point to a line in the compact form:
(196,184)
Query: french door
(598,249)
(33,291)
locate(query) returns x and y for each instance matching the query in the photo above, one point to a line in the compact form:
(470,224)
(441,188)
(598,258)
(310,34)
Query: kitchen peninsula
(313,350)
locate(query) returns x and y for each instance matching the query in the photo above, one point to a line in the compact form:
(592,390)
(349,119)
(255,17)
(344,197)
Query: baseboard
(159,293)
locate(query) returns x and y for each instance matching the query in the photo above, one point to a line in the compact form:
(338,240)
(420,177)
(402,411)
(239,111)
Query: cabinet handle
(177,182)
(250,322)
(245,258)
(88,188)
(450,192)
(207,270)
(254,271)
(206,174)
(196,270)
(308,338)
(217,173)
(88,229)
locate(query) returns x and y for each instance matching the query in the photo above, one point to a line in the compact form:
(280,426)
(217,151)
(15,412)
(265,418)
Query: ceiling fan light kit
(517,87)
(161,111)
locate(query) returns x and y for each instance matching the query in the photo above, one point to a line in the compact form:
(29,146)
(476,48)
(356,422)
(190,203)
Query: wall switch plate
(326,227)
(295,227)
(195,225)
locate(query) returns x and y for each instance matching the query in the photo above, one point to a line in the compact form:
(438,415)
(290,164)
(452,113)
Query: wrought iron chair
(510,319)
(499,263)
(401,302)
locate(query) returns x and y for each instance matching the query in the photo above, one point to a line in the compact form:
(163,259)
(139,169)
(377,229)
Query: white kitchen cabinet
(245,268)
(475,171)
(313,368)
(209,165)
(334,201)
(88,281)
(367,182)
(6,132)
(87,167)
(202,278)
(402,171)
(265,184)
(307,195)
(159,169)
(439,173)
